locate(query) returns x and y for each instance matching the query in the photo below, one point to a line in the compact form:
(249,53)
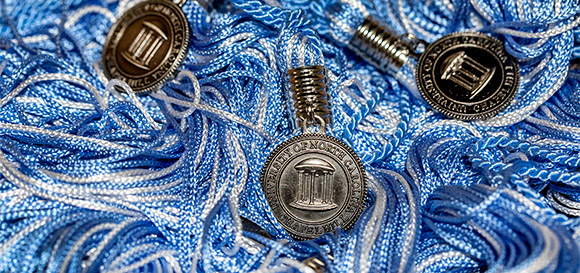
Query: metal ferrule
(309,88)
(380,47)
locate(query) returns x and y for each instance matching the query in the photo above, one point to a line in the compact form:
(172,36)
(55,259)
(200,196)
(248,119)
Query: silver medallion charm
(146,45)
(464,75)
(313,182)
(467,76)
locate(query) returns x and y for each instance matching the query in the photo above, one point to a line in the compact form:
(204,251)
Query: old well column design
(145,46)
(314,189)
(467,72)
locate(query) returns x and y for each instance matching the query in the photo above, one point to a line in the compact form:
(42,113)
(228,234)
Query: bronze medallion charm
(314,183)
(467,76)
(146,45)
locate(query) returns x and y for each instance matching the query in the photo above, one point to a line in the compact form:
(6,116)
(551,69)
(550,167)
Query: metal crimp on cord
(381,47)
(309,88)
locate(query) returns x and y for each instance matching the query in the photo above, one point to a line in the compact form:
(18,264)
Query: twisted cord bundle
(97,180)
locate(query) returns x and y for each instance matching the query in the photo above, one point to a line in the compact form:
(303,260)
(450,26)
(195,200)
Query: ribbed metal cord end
(379,46)
(309,88)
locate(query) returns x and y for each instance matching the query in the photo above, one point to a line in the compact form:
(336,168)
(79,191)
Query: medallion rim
(179,58)
(316,136)
(470,116)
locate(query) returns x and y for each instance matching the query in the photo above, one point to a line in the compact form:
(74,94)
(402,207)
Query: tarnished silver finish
(382,47)
(146,46)
(310,94)
(314,183)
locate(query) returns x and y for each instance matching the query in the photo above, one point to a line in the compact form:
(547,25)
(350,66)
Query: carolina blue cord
(94,180)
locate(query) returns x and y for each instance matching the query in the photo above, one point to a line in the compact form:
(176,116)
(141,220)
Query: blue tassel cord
(492,229)
(97,180)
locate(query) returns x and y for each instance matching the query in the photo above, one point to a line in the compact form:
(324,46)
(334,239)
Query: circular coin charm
(146,45)
(313,184)
(467,76)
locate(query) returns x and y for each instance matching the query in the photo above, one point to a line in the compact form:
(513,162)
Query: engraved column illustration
(467,73)
(145,46)
(315,179)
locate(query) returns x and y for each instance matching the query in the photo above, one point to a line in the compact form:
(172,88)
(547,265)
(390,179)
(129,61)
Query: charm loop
(321,128)
(417,45)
